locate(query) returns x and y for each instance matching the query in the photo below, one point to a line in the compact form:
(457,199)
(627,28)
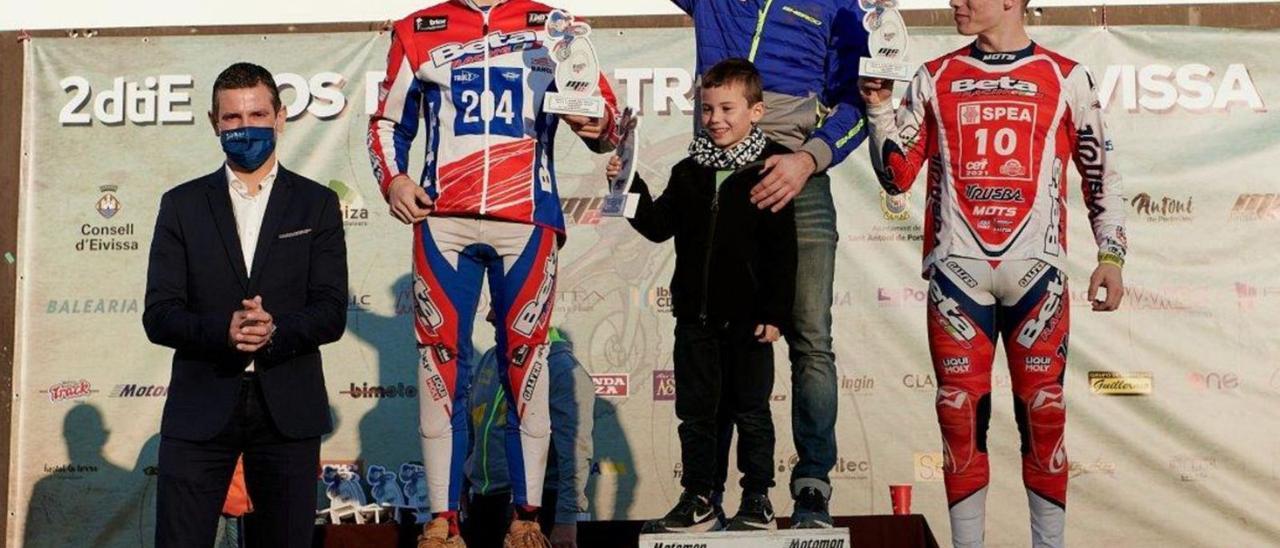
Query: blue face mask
(249,147)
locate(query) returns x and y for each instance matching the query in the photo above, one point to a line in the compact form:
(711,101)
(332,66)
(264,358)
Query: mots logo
(994,211)
(990,57)
(1005,83)
(449,53)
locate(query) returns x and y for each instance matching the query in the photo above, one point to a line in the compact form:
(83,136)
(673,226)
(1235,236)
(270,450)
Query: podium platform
(875,531)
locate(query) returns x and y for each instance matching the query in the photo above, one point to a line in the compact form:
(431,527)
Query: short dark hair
(246,75)
(736,70)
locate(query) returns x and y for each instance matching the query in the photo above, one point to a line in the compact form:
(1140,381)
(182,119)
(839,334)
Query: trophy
(886,40)
(617,204)
(577,68)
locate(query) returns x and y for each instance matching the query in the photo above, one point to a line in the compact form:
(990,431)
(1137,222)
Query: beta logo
(1004,83)
(611,385)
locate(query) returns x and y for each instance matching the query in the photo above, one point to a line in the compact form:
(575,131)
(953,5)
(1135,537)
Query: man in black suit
(247,278)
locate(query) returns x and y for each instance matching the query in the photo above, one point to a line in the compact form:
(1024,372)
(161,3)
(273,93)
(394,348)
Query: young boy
(733,289)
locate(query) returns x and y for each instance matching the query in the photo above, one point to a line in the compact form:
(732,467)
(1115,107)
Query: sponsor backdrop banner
(1172,399)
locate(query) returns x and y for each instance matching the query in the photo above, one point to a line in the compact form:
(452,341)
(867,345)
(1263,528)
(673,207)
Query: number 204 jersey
(477,77)
(996,131)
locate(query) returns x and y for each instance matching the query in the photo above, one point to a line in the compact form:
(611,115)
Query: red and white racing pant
(973,302)
(451,258)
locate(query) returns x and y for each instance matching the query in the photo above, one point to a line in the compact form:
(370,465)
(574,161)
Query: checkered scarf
(707,154)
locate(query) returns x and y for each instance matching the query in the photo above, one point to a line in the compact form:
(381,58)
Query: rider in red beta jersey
(997,123)
(474,74)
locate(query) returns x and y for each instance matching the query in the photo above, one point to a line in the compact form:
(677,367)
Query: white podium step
(789,538)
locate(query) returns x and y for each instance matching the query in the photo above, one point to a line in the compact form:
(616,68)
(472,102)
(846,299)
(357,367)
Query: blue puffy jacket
(808,53)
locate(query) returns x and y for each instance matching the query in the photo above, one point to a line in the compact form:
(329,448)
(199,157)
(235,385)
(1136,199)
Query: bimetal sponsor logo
(887,297)
(927,466)
(1095,467)
(611,385)
(1162,209)
(138,391)
(390,391)
(1194,87)
(1256,207)
(354,211)
(1213,381)
(664,385)
(1193,468)
(1247,295)
(582,210)
(69,390)
(1110,383)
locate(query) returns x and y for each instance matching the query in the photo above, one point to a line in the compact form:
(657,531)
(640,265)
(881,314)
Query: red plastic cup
(900,494)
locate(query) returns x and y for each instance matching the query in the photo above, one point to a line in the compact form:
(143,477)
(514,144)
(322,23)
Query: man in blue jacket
(807,52)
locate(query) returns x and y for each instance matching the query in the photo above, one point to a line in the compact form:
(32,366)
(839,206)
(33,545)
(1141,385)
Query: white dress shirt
(249,211)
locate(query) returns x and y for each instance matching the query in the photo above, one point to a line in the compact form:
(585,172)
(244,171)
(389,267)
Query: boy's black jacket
(734,262)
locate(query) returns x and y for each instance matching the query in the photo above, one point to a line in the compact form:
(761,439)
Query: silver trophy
(617,203)
(887,42)
(577,68)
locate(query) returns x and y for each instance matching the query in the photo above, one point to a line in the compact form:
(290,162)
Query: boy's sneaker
(811,510)
(693,514)
(755,514)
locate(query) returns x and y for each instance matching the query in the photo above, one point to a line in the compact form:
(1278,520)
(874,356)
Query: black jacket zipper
(711,243)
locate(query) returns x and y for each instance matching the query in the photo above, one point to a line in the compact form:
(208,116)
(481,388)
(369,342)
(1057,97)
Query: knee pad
(963,418)
(1043,425)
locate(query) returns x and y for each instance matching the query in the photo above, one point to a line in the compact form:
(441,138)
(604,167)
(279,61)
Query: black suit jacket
(196,279)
